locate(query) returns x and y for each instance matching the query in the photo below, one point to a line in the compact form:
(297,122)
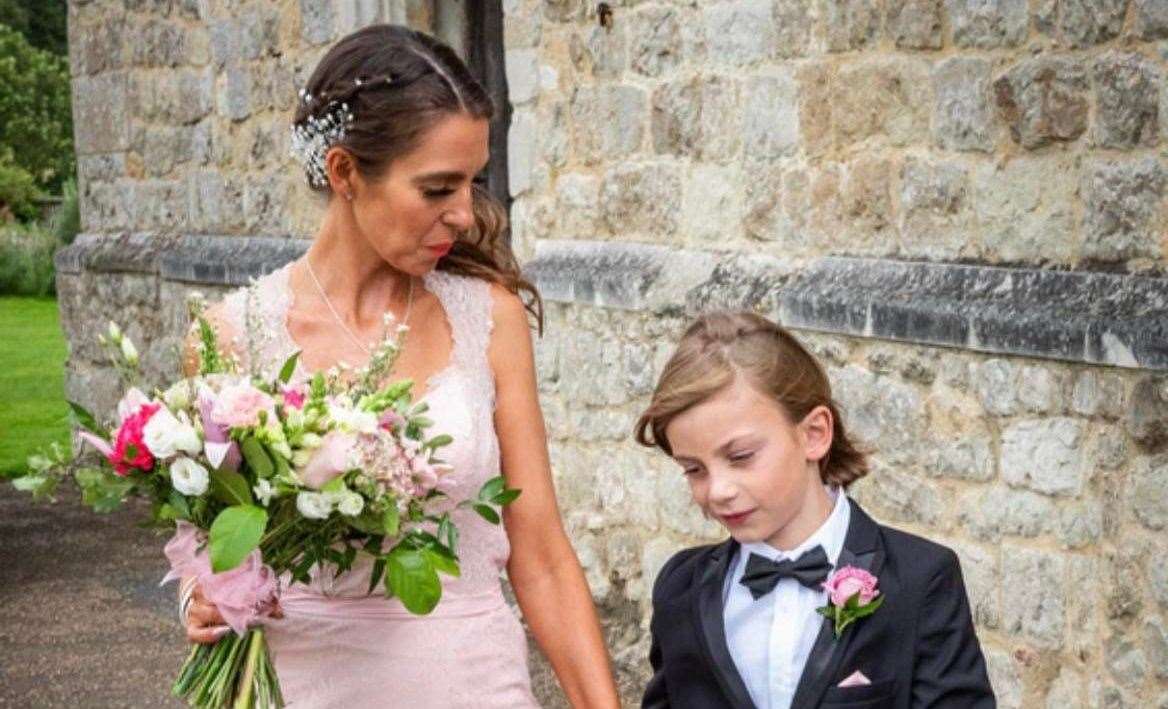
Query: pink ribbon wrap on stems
(244,595)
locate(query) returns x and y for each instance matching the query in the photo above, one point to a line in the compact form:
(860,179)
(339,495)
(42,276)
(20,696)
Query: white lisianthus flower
(300,458)
(178,396)
(188,477)
(314,505)
(264,491)
(129,352)
(353,420)
(283,449)
(350,503)
(165,435)
(311,440)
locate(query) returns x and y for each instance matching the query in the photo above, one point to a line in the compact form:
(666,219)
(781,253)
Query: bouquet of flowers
(264,478)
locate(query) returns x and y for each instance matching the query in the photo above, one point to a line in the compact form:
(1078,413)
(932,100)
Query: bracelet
(186,594)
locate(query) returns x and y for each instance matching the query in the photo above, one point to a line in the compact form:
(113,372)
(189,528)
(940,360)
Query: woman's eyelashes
(437,192)
(741,457)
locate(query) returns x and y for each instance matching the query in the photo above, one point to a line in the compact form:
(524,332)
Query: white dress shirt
(771,638)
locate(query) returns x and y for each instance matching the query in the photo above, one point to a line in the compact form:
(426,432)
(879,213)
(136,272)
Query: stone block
(993,512)
(317,21)
(604,51)
(1127,100)
(1040,390)
(1044,455)
(1149,492)
(641,199)
(608,122)
(982,575)
(99,109)
(851,24)
(887,99)
(1005,678)
(739,32)
(771,117)
(712,204)
(522,23)
(915,24)
(1080,525)
(935,208)
(996,383)
(988,24)
(158,43)
(963,118)
(577,197)
(235,94)
(1026,209)
(699,117)
(970,459)
(522,67)
(796,28)
(1043,100)
(655,41)
(521,142)
(1156,647)
(1097,394)
(868,212)
(815,107)
(1038,595)
(1124,210)
(1125,659)
(1151,21)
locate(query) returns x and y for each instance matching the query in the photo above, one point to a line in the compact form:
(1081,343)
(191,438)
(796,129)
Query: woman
(393,128)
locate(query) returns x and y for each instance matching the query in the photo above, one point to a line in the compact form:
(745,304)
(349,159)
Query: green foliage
(66,219)
(26,260)
(36,121)
(42,22)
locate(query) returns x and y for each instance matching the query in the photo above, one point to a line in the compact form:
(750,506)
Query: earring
(349,196)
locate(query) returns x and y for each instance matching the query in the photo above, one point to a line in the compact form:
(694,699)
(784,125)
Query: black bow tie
(763,574)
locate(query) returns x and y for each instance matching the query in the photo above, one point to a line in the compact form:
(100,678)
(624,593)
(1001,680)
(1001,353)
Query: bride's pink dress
(338,646)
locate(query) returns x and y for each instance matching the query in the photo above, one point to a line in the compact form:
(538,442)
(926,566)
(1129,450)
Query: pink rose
(294,397)
(330,459)
(390,420)
(847,582)
(130,449)
(239,406)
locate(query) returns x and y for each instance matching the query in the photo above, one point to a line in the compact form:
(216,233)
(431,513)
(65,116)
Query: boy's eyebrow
(721,449)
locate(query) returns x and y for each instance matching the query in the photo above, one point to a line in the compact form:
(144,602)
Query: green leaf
(230,488)
(39,485)
(337,484)
(87,421)
(506,497)
(182,510)
(391,520)
(102,490)
(438,441)
(412,578)
(442,560)
(289,367)
(234,534)
(448,533)
(487,512)
(491,488)
(378,570)
(257,458)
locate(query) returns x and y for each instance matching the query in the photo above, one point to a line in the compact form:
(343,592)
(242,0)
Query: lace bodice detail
(461,397)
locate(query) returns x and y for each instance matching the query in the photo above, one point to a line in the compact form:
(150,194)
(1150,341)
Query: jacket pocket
(869,696)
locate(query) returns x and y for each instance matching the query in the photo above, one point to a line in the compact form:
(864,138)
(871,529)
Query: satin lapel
(708,609)
(863,549)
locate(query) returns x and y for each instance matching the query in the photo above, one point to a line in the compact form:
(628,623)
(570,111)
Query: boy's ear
(817,429)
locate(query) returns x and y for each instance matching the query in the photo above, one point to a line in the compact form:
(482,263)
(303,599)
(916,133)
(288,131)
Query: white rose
(350,504)
(188,477)
(313,505)
(166,435)
(264,491)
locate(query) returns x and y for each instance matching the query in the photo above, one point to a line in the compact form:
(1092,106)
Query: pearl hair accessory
(312,139)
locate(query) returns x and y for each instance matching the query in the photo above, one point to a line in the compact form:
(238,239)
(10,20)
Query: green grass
(33,411)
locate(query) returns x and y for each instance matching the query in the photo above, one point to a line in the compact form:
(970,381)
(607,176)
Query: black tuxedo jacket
(918,649)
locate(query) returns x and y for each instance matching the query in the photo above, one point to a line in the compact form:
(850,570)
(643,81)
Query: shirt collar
(830,535)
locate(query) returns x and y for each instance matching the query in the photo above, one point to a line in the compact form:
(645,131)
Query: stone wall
(959,204)
(961,207)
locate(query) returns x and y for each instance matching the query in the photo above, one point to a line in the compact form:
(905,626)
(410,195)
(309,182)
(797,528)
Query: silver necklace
(341,321)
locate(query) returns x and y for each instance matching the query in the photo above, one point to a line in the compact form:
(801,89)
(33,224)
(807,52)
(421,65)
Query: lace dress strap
(467,302)
(255,314)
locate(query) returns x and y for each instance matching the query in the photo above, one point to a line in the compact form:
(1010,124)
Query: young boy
(810,603)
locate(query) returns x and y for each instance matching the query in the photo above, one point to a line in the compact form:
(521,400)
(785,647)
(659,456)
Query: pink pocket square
(855,679)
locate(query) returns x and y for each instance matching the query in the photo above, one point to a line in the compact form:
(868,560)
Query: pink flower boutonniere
(852,595)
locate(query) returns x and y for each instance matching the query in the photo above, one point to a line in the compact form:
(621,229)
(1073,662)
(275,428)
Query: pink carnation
(239,406)
(847,582)
(130,449)
(294,397)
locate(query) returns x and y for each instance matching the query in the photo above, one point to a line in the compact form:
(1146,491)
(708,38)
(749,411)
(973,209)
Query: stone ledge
(209,260)
(1097,318)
